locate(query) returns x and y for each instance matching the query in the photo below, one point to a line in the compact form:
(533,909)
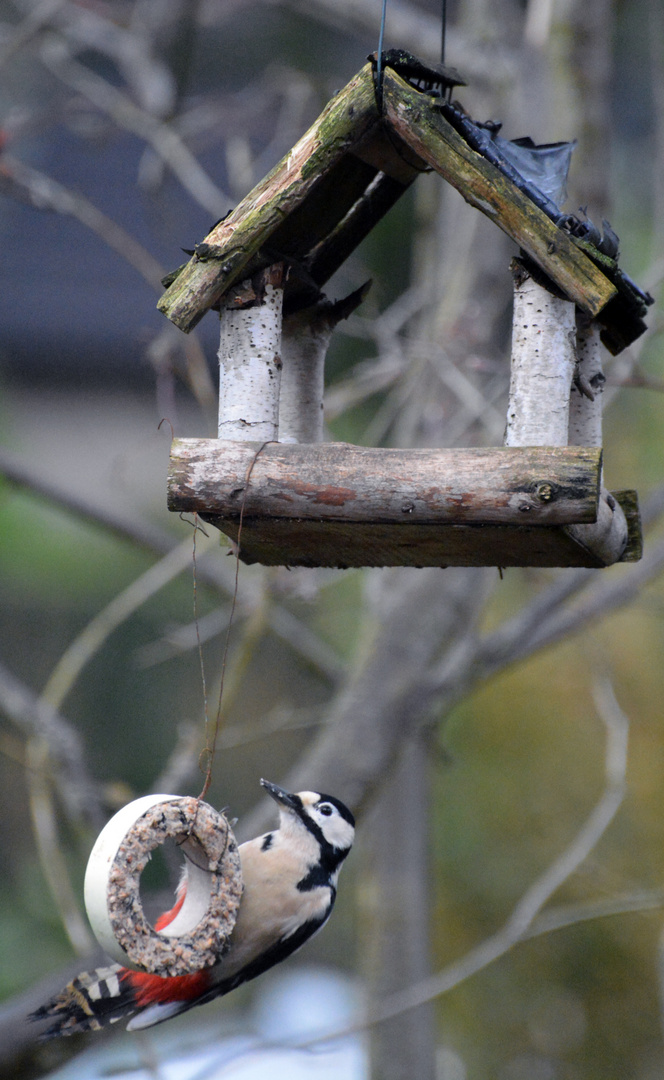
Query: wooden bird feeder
(539,500)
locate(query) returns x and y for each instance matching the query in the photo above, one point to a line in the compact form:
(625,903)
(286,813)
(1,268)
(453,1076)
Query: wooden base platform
(337,505)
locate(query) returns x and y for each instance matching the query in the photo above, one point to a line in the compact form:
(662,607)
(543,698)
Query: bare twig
(51,856)
(163,352)
(132,50)
(559,918)
(150,537)
(531,903)
(180,639)
(148,76)
(41,191)
(601,597)
(547,620)
(36,718)
(412,28)
(44,193)
(638,380)
(282,623)
(217,573)
(37,17)
(92,637)
(162,137)
(183,762)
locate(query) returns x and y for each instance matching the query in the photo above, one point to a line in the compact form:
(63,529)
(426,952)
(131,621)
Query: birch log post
(585,404)
(306,336)
(305,341)
(250,358)
(544,360)
(609,535)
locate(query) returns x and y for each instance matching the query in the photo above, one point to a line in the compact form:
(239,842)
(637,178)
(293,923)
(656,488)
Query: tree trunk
(396,923)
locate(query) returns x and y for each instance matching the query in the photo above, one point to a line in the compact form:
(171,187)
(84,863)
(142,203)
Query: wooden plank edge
(629,501)
(337,545)
(415,119)
(347,118)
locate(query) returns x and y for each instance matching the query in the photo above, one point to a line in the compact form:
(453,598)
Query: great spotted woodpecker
(290,884)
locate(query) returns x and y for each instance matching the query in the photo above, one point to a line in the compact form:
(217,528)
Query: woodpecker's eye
(326,809)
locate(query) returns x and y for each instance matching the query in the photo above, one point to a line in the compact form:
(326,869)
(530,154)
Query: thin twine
(207,755)
(443,29)
(199,643)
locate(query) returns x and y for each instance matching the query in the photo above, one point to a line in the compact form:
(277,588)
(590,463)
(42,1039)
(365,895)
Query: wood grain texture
(345,544)
(342,177)
(345,483)
(434,140)
(314,161)
(629,502)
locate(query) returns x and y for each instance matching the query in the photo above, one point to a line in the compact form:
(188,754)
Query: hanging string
(199,642)
(208,752)
(443,29)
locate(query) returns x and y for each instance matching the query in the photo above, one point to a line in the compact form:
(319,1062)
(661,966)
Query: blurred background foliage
(88,368)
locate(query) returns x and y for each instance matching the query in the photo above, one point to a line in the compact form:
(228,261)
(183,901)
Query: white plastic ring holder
(199,933)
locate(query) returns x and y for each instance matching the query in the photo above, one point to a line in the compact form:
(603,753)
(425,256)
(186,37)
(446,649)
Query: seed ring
(198,935)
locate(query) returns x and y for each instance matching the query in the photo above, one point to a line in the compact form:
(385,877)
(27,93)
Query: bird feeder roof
(362,153)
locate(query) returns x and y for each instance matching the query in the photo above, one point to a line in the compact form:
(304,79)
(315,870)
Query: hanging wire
(381,36)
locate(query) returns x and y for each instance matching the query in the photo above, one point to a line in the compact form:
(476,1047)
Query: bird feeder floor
(353,544)
(339,505)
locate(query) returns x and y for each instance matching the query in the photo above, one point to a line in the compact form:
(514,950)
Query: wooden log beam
(347,119)
(607,537)
(433,139)
(344,483)
(326,256)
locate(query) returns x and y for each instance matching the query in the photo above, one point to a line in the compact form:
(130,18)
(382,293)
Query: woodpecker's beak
(281,796)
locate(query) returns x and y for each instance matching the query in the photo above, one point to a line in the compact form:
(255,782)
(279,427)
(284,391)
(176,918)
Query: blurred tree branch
(38,719)
(163,138)
(522,924)
(415,30)
(26,184)
(29,185)
(88,642)
(216,573)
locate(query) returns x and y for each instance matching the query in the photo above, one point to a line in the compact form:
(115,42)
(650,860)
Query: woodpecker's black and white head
(320,827)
